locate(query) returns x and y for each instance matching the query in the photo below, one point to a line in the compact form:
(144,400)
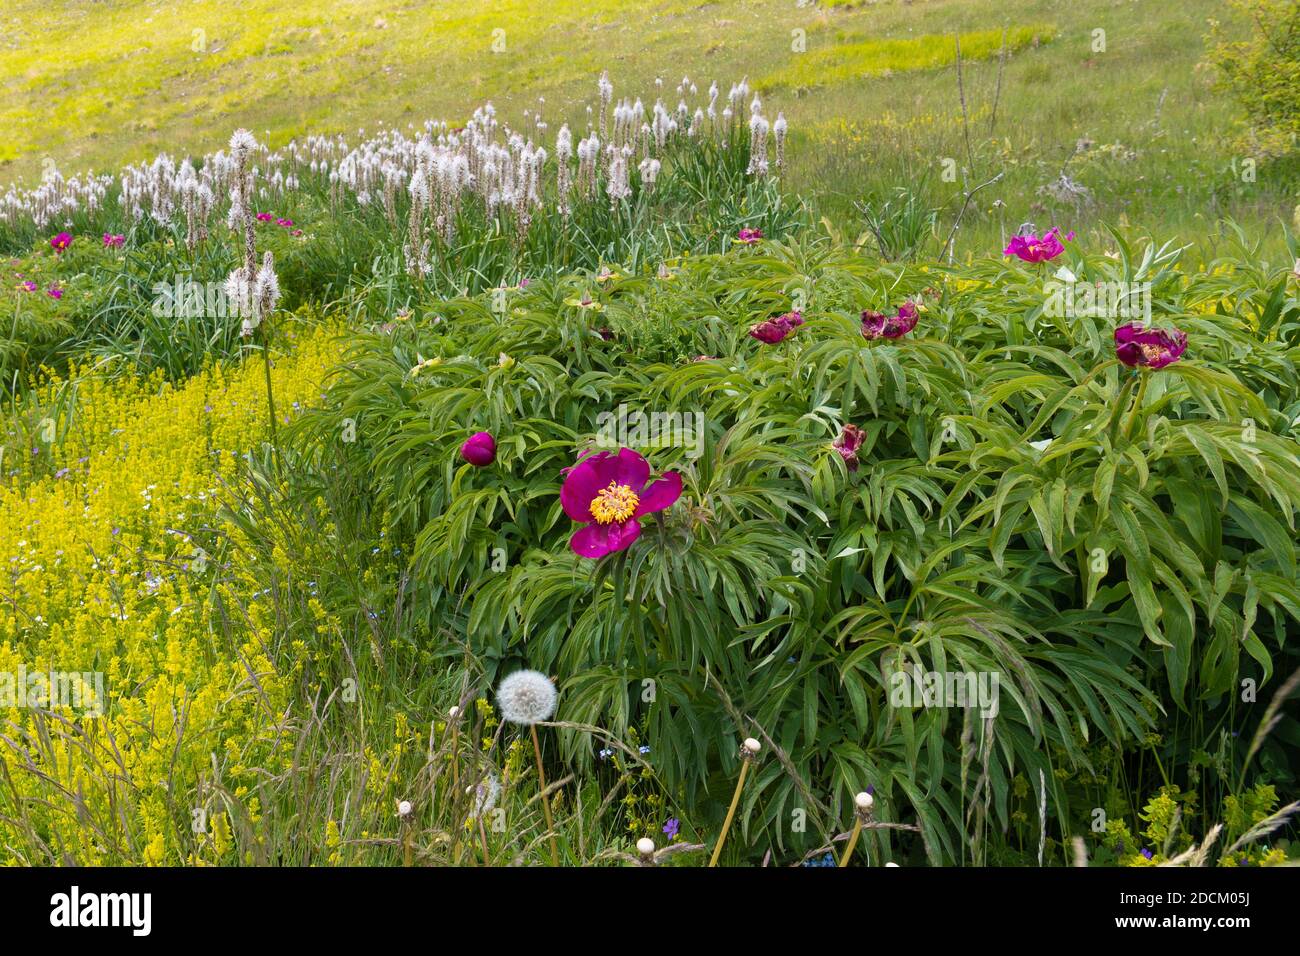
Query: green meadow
(1113,95)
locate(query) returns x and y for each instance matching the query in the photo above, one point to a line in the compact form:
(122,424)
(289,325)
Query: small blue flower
(644,748)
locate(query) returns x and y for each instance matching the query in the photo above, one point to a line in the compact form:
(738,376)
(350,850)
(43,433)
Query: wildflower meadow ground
(439,436)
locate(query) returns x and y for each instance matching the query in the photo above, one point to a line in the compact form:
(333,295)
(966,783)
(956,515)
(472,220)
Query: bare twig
(947,246)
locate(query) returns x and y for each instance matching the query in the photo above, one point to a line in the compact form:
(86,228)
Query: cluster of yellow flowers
(117,571)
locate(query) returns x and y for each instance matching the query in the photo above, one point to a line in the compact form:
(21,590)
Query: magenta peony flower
(265,216)
(610,492)
(848,443)
(775,329)
(877,325)
(749,236)
(284,222)
(480,449)
(29,286)
(1138,347)
(114,241)
(54,292)
(1032,248)
(61,241)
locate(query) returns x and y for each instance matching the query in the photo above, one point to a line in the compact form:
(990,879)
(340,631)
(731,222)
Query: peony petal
(582,484)
(1130,353)
(597,540)
(660,495)
(1127,333)
(631,469)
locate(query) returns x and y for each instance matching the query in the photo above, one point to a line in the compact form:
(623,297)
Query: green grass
(872,99)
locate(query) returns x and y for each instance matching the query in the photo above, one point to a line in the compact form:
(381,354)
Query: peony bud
(480,450)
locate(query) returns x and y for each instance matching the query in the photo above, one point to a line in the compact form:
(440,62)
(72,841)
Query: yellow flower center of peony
(1151,352)
(615,503)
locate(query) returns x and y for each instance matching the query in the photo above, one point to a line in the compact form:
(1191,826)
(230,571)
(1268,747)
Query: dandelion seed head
(526,697)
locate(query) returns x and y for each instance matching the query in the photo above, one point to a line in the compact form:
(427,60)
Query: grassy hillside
(870,90)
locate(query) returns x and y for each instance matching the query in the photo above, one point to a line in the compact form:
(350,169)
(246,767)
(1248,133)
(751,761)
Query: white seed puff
(526,697)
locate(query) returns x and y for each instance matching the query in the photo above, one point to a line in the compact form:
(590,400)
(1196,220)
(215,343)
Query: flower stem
(731,812)
(482,832)
(270,394)
(455,759)
(1137,406)
(546,801)
(853,841)
(1115,416)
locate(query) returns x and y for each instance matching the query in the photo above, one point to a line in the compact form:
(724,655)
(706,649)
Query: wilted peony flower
(876,325)
(61,241)
(480,449)
(113,240)
(848,443)
(1138,347)
(776,329)
(1032,248)
(610,492)
(526,697)
(749,236)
